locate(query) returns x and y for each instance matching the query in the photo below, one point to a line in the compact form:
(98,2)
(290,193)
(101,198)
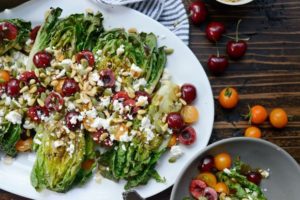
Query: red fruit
(236,49)
(122,95)
(34,32)
(187,136)
(8,31)
(198,12)
(214,31)
(27,76)
(87,55)
(197,188)
(96,137)
(13,87)
(42,59)
(207,164)
(175,121)
(41,89)
(35,113)
(217,64)
(210,194)
(69,87)
(129,102)
(108,78)
(72,120)
(188,93)
(54,102)
(254,177)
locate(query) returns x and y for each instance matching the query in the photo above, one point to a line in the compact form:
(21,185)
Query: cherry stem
(218,52)
(237,30)
(245,39)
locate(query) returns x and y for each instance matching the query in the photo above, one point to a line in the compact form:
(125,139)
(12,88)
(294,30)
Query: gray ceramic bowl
(282,184)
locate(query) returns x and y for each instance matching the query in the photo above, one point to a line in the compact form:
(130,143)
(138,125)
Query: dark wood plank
(269,74)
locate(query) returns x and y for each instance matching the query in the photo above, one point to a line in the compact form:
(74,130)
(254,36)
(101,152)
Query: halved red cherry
(8,31)
(197,188)
(187,136)
(13,87)
(142,93)
(42,59)
(34,32)
(70,87)
(54,102)
(72,120)
(27,76)
(210,194)
(41,89)
(122,95)
(175,121)
(108,78)
(87,55)
(35,113)
(96,137)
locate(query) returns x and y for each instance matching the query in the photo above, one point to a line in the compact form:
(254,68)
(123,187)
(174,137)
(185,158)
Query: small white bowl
(238,3)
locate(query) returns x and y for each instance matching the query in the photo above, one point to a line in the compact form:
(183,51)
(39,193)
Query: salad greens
(9,135)
(23,29)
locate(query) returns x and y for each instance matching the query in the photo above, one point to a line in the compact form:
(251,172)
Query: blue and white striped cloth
(170,13)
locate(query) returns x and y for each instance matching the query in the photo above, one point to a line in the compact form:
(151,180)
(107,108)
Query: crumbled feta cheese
(28,125)
(99,52)
(61,74)
(71,106)
(126,138)
(95,76)
(90,113)
(227,171)
(66,129)
(14,117)
(264,173)
(104,101)
(145,123)
(130,117)
(66,62)
(58,143)
(123,147)
(120,50)
(149,134)
(135,68)
(1,113)
(28,42)
(100,122)
(176,151)
(71,148)
(118,106)
(138,83)
(142,101)
(37,141)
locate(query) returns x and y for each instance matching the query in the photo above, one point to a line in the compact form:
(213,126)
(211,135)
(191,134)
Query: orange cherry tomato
(189,114)
(222,161)
(87,164)
(228,98)
(4,76)
(278,118)
(258,114)
(222,188)
(24,145)
(172,141)
(209,178)
(253,132)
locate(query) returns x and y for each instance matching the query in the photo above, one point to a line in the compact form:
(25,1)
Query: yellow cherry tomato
(189,114)
(209,178)
(222,188)
(172,141)
(4,76)
(278,118)
(222,161)
(253,132)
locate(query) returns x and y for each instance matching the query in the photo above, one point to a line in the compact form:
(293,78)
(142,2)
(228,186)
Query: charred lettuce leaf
(56,168)
(23,30)
(68,35)
(9,135)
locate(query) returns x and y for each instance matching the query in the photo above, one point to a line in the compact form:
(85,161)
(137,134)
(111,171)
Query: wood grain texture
(269,74)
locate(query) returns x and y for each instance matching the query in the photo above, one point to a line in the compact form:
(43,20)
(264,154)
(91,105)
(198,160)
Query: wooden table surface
(269,74)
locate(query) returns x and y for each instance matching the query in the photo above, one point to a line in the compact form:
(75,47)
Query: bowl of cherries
(239,168)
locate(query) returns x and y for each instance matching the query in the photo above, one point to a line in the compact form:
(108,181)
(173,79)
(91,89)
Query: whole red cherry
(217,64)
(214,31)
(198,12)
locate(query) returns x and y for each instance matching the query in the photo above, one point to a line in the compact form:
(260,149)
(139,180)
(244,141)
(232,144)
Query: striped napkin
(170,13)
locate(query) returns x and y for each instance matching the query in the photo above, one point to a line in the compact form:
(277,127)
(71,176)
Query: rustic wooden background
(269,74)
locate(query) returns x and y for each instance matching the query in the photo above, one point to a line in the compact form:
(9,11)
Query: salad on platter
(89,100)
